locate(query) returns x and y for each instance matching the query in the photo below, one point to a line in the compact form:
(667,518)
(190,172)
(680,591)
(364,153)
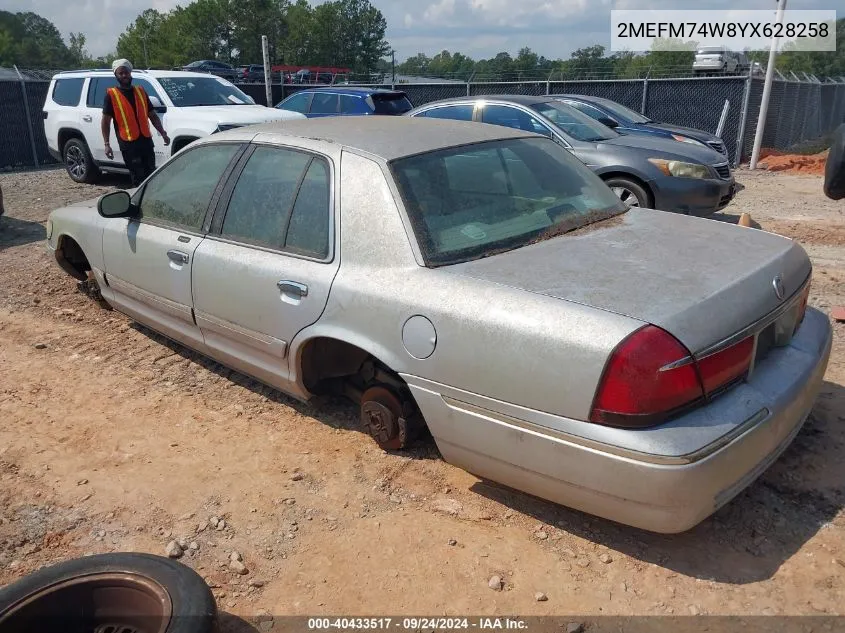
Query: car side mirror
(608,122)
(116,204)
(834,174)
(158,106)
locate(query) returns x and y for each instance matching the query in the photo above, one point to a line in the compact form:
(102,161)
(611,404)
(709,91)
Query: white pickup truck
(190,105)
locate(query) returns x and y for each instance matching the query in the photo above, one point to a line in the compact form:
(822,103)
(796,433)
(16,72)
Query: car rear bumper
(692,196)
(666,493)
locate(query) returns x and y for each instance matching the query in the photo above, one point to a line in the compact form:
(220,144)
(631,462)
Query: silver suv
(719,60)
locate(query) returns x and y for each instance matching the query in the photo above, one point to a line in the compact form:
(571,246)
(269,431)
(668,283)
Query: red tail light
(651,376)
(724,367)
(640,386)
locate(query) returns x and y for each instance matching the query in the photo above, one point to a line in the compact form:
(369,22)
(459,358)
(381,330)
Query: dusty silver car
(479,280)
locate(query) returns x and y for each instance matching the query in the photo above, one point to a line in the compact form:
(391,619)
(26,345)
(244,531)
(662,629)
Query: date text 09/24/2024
(416,624)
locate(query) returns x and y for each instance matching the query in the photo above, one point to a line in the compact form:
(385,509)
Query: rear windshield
(474,201)
(393,103)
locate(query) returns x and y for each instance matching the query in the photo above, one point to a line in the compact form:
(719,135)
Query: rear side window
(281,201)
(395,104)
(350,104)
(98,86)
(66,92)
(455,112)
(324,103)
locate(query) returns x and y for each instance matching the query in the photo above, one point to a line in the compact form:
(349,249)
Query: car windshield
(621,112)
(477,200)
(203,91)
(573,123)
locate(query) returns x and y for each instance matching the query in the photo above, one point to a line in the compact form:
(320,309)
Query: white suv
(190,105)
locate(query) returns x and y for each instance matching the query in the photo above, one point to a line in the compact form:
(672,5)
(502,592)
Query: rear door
(265,270)
(148,259)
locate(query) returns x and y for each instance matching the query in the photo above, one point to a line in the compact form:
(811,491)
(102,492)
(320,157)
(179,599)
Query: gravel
(238,567)
(540,597)
(173,550)
(495,583)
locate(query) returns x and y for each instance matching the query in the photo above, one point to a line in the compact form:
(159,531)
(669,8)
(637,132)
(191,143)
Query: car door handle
(178,256)
(293,288)
(87,118)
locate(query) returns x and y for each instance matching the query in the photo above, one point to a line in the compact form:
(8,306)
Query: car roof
(526,100)
(351,90)
(388,138)
(139,72)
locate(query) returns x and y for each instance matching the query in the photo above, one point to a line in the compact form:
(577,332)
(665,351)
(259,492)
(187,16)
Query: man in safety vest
(130,109)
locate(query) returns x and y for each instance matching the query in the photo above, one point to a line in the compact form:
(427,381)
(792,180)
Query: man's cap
(121,62)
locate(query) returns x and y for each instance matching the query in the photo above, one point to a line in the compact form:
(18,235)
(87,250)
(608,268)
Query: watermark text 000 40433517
(739,30)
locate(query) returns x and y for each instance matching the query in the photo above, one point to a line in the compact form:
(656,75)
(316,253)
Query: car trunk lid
(701,280)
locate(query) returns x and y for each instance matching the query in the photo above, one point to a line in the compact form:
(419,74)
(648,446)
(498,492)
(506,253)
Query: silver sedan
(483,283)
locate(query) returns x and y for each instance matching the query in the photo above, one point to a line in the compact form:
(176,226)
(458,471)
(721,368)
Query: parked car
(626,121)
(643,171)
(320,102)
(637,365)
(190,105)
(212,66)
(719,60)
(254,74)
(2,208)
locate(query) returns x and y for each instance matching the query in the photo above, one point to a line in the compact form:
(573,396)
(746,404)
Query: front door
(92,117)
(265,270)
(148,259)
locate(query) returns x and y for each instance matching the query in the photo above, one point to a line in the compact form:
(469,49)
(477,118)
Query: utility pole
(767,92)
(393,66)
(268,84)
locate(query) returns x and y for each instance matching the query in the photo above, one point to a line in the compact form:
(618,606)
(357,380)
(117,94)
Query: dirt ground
(113,439)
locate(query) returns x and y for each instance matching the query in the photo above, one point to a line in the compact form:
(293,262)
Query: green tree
(78,52)
(29,40)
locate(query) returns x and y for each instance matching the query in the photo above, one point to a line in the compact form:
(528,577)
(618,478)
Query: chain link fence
(801,109)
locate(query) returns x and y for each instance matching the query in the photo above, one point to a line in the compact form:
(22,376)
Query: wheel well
(328,365)
(621,174)
(182,141)
(71,258)
(65,134)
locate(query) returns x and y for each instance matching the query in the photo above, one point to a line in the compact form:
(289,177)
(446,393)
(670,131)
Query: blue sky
(479,28)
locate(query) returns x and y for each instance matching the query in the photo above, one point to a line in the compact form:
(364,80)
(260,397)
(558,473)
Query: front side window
(281,201)
(179,193)
(203,91)
(474,201)
(508,116)
(98,86)
(66,92)
(574,124)
(297,103)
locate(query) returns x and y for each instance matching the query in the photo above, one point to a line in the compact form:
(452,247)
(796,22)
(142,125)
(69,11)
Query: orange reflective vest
(129,126)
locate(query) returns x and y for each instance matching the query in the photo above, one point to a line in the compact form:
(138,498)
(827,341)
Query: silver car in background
(481,281)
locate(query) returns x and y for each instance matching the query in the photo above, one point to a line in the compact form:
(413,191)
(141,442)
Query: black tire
(27,607)
(79,163)
(182,142)
(643,199)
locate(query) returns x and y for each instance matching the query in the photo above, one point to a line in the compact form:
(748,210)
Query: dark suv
(212,66)
(337,101)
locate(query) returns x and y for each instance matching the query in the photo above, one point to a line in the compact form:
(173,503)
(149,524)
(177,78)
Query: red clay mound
(795,163)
